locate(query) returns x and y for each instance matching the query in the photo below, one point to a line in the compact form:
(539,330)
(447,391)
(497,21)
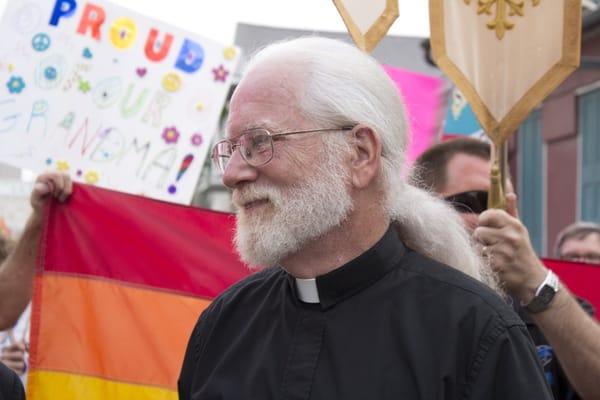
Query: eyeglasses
(256,146)
(474,201)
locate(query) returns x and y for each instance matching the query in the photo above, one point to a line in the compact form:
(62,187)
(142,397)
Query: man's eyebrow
(254,127)
(262,125)
(246,129)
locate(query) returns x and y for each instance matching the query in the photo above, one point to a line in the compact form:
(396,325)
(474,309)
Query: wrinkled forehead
(266,97)
(585,239)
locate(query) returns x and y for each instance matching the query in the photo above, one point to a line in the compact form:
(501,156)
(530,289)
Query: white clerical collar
(307,290)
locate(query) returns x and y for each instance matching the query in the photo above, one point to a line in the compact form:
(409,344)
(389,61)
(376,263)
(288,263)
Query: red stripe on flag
(128,238)
(582,279)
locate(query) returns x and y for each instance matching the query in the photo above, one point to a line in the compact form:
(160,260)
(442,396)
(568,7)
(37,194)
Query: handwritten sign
(112,97)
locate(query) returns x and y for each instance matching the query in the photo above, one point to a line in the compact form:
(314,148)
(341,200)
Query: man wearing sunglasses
(342,306)
(568,340)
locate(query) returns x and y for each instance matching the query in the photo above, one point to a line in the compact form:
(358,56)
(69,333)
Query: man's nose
(238,171)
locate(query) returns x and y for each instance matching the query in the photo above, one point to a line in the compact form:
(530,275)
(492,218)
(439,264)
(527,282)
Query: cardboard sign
(112,97)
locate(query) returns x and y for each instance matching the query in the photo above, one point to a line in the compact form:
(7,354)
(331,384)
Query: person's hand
(13,356)
(47,185)
(505,243)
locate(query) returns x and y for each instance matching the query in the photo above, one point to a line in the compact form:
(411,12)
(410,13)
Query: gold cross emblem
(503,9)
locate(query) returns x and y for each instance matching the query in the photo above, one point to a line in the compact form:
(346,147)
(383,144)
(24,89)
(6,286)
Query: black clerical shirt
(10,385)
(390,324)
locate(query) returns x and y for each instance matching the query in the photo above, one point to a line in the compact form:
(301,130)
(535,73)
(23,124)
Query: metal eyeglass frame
(273,136)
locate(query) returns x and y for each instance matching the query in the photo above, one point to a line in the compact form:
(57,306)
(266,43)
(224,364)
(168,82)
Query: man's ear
(365,161)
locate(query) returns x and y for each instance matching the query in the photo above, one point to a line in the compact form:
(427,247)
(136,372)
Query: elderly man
(579,242)
(568,340)
(315,141)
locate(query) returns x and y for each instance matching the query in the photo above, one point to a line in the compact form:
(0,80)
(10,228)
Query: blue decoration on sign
(62,8)
(15,84)
(190,57)
(87,53)
(40,42)
(50,73)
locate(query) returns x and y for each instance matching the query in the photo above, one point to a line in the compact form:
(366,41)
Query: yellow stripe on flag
(113,331)
(45,385)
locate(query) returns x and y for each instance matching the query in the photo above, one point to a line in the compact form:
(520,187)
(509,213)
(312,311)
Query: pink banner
(423,97)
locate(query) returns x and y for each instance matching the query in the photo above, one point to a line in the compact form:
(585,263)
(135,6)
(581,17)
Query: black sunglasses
(474,201)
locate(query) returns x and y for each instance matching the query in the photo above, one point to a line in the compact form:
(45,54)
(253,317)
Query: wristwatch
(544,294)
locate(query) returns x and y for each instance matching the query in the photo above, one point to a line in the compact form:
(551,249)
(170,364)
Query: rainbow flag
(120,283)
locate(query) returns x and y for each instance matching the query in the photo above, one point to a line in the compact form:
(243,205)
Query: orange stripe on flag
(109,330)
(55,385)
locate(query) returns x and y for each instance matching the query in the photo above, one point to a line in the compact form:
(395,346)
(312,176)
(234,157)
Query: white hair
(344,86)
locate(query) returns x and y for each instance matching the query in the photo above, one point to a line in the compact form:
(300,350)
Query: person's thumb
(511,205)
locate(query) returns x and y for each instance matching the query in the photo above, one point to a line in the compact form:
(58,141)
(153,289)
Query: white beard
(293,215)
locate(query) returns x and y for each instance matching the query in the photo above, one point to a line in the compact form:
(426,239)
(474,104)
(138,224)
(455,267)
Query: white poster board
(112,97)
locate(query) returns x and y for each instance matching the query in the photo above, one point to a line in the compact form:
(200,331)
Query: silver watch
(544,294)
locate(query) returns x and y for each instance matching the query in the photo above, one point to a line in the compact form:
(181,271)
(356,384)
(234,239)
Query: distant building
(398,51)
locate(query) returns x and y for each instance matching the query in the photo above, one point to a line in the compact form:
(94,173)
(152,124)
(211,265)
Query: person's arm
(573,334)
(17,271)
(575,337)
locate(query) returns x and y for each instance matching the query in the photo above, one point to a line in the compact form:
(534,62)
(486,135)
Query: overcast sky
(217,19)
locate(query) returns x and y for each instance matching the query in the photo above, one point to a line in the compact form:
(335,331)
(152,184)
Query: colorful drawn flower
(91,177)
(50,73)
(220,73)
(15,84)
(62,165)
(170,135)
(196,139)
(84,86)
(171,82)
(229,52)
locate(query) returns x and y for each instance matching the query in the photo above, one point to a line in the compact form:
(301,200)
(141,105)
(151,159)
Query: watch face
(542,300)
(547,293)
